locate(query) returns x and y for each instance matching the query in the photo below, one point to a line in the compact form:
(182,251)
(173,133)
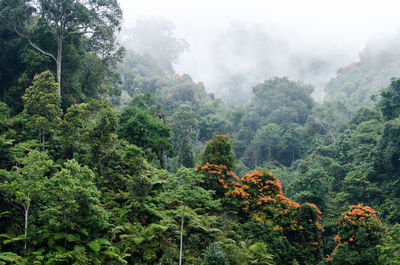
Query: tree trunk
(26,209)
(181,241)
(58,61)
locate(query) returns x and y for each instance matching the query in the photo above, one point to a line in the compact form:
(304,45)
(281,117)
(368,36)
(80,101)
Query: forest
(108,156)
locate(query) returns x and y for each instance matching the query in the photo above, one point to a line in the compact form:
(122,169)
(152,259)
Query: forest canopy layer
(108,156)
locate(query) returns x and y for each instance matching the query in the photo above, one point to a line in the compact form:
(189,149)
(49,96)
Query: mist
(242,55)
(235,46)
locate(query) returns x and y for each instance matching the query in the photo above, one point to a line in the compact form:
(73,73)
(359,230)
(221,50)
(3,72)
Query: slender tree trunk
(59,59)
(26,209)
(181,241)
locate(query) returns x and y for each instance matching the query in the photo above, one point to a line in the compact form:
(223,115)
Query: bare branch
(34,45)
(40,50)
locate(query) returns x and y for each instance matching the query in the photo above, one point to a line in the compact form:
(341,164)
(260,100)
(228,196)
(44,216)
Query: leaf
(94,245)
(73,238)
(13,239)
(9,257)
(103,242)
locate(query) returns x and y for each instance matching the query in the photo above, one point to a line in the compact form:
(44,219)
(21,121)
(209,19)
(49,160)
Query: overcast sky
(351,19)
(337,26)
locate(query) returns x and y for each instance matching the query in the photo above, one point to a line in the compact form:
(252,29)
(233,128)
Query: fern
(9,257)
(12,239)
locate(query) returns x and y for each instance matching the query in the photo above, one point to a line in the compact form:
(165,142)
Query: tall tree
(42,104)
(97,20)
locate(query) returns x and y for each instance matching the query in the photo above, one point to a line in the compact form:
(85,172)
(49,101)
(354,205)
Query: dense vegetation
(116,159)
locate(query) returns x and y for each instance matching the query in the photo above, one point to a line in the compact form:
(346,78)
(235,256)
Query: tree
(184,187)
(311,187)
(267,137)
(95,20)
(390,98)
(73,216)
(183,124)
(183,191)
(89,132)
(359,231)
(327,119)
(214,255)
(25,184)
(389,248)
(278,101)
(140,128)
(219,151)
(42,104)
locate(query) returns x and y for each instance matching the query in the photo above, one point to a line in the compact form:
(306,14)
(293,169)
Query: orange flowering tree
(359,231)
(217,177)
(260,195)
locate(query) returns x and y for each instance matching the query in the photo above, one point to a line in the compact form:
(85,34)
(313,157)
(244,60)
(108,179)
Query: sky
(352,20)
(337,27)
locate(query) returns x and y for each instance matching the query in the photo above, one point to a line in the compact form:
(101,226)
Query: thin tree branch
(34,45)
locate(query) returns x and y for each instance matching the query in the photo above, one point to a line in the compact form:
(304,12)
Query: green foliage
(389,102)
(9,258)
(42,104)
(356,84)
(25,185)
(183,124)
(359,231)
(141,129)
(89,132)
(215,256)
(389,249)
(267,139)
(185,186)
(98,195)
(219,151)
(326,121)
(281,102)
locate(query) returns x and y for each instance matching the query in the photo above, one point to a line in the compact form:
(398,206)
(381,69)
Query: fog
(236,44)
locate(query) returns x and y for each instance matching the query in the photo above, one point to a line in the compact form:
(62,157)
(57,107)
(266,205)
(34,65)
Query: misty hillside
(356,83)
(110,155)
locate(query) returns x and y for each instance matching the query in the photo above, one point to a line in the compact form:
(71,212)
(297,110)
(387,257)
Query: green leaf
(94,245)
(9,257)
(73,238)
(13,239)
